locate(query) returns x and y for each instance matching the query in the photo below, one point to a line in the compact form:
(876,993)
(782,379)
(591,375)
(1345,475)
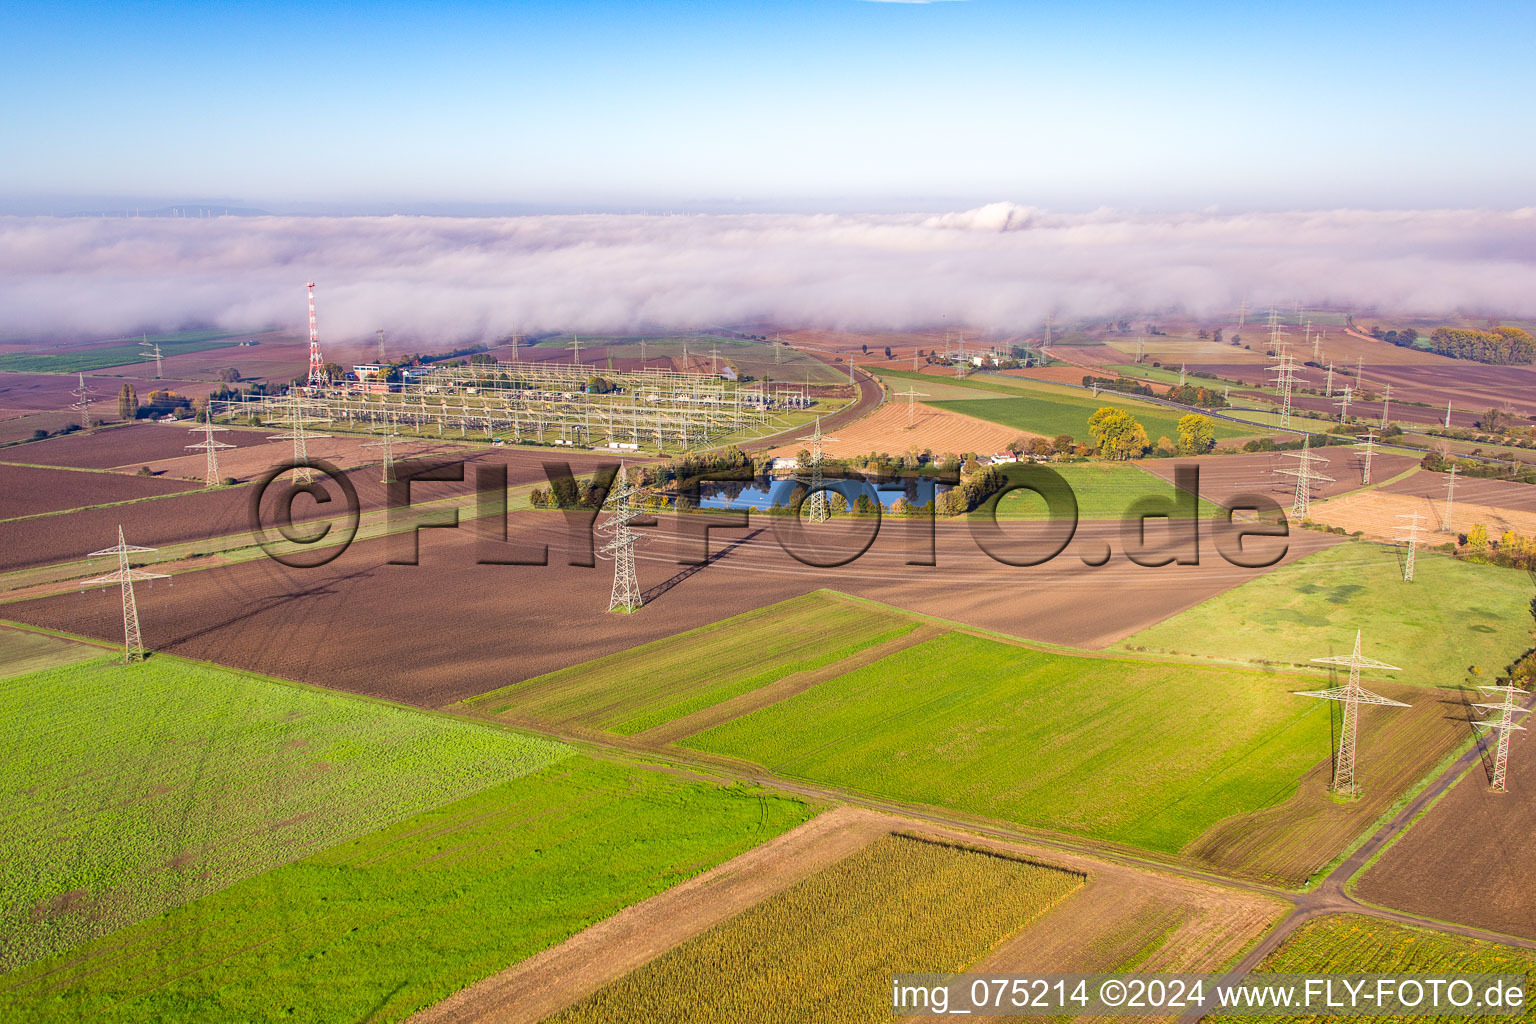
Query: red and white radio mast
(317,374)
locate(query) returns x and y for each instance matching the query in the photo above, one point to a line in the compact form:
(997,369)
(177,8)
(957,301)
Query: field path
(554,979)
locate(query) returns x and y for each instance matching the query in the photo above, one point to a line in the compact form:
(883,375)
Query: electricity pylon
(1181,375)
(83,396)
(126,575)
(1504,724)
(1352,695)
(1370,450)
(317,375)
(152,348)
(911,396)
(1242,313)
(626,582)
(300,437)
(387,443)
(819,510)
(1301,506)
(1386,404)
(1447,415)
(1412,540)
(1141,348)
(381,346)
(211,447)
(1450,499)
(576,352)
(1328,388)
(1285,381)
(1343,403)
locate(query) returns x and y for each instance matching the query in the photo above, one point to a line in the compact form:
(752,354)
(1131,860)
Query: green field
(824,949)
(1136,752)
(1350,943)
(1104,490)
(639,689)
(24,650)
(123,353)
(129,789)
(1050,411)
(1453,616)
(379,927)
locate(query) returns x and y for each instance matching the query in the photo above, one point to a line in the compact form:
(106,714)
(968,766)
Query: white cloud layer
(1000,268)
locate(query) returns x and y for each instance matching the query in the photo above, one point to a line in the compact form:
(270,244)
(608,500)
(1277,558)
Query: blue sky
(836,104)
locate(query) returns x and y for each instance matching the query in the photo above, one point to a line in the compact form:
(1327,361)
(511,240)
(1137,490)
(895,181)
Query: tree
(1492,420)
(1020,445)
(1118,434)
(1039,446)
(887,351)
(1197,434)
(228,375)
(971,466)
(127,403)
(1061,444)
(1477,538)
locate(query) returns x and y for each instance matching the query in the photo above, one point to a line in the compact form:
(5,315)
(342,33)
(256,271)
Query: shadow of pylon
(647,596)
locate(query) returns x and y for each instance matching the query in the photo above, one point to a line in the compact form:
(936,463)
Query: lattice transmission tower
(211,448)
(621,547)
(1301,506)
(1447,415)
(82,403)
(1504,724)
(911,395)
(1450,499)
(317,374)
(1386,405)
(386,443)
(1412,540)
(298,420)
(152,348)
(1328,388)
(1352,695)
(126,576)
(818,509)
(1370,450)
(1343,403)
(1141,348)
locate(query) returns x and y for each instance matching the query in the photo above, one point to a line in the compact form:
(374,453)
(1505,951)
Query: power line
(82,403)
(911,396)
(1503,725)
(1370,450)
(626,583)
(386,442)
(211,447)
(819,510)
(1301,506)
(1352,695)
(1412,540)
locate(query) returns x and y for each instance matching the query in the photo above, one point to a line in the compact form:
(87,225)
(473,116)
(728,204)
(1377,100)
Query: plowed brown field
(937,430)
(26,491)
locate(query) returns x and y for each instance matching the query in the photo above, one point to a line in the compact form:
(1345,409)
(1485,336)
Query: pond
(765,492)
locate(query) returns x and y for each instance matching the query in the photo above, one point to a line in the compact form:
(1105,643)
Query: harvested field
(225,512)
(26,490)
(1454,615)
(251,461)
(1350,943)
(1224,478)
(1434,870)
(701,668)
(1121,918)
(330,625)
(192,777)
(1376,513)
(1505,495)
(24,651)
(129,446)
(1288,843)
(982,726)
(900,900)
(379,927)
(936,430)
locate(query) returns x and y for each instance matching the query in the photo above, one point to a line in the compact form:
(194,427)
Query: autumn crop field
(1009,732)
(24,651)
(636,690)
(1348,943)
(824,949)
(378,927)
(130,789)
(1453,616)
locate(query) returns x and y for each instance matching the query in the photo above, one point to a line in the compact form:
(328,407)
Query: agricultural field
(936,430)
(1378,513)
(698,669)
(824,949)
(1104,490)
(1225,478)
(1454,615)
(191,777)
(987,727)
(1351,943)
(30,490)
(1051,410)
(24,651)
(122,352)
(1434,870)
(127,447)
(381,926)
